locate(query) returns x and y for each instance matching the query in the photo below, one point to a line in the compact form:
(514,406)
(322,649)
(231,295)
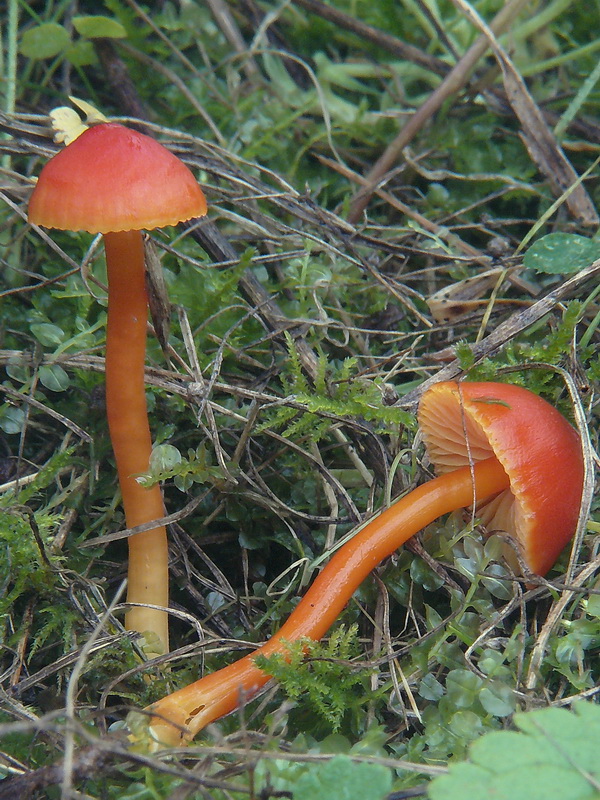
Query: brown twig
(443,233)
(452,83)
(385,40)
(226,22)
(506,331)
(540,141)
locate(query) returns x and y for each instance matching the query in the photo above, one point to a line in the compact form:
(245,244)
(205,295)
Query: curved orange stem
(148,578)
(180,715)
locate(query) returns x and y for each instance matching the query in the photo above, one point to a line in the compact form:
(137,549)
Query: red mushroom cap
(539,450)
(112,178)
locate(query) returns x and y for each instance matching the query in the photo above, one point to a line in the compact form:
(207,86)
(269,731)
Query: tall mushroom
(498,446)
(116,181)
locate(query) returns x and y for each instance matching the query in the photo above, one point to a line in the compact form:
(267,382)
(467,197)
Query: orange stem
(185,712)
(148,578)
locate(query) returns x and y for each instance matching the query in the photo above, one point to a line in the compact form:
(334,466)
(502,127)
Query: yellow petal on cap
(66,124)
(92,115)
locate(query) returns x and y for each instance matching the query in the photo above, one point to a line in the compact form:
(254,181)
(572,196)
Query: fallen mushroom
(498,446)
(116,181)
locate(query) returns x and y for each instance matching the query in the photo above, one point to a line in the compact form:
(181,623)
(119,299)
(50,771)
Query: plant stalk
(148,576)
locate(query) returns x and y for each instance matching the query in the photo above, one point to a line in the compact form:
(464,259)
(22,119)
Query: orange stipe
(181,715)
(148,575)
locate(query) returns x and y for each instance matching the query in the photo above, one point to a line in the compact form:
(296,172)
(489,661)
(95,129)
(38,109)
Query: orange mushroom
(540,452)
(116,181)
(495,444)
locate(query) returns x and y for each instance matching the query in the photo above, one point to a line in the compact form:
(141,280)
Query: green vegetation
(552,756)
(282,386)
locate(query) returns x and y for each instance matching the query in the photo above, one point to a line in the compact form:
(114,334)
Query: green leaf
(575,735)
(463,687)
(99,27)
(81,53)
(343,779)
(12,419)
(53,377)
(430,688)
(562,253)
(47,334)
(17,370)
(424,576)
(593,605)
(498,699)
(465,725)
(164,457)
(44,41)
(554,757)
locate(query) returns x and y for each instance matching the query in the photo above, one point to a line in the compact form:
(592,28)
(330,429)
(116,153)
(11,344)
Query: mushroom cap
(112,178)
(539,450)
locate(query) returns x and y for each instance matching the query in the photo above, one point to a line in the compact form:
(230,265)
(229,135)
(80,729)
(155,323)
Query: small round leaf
(562,253)
(44,41)
(47,334)
(54,378)
(430,688)
(164,457)
(99,27)
(81,53)
(498,699)
(12,419)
